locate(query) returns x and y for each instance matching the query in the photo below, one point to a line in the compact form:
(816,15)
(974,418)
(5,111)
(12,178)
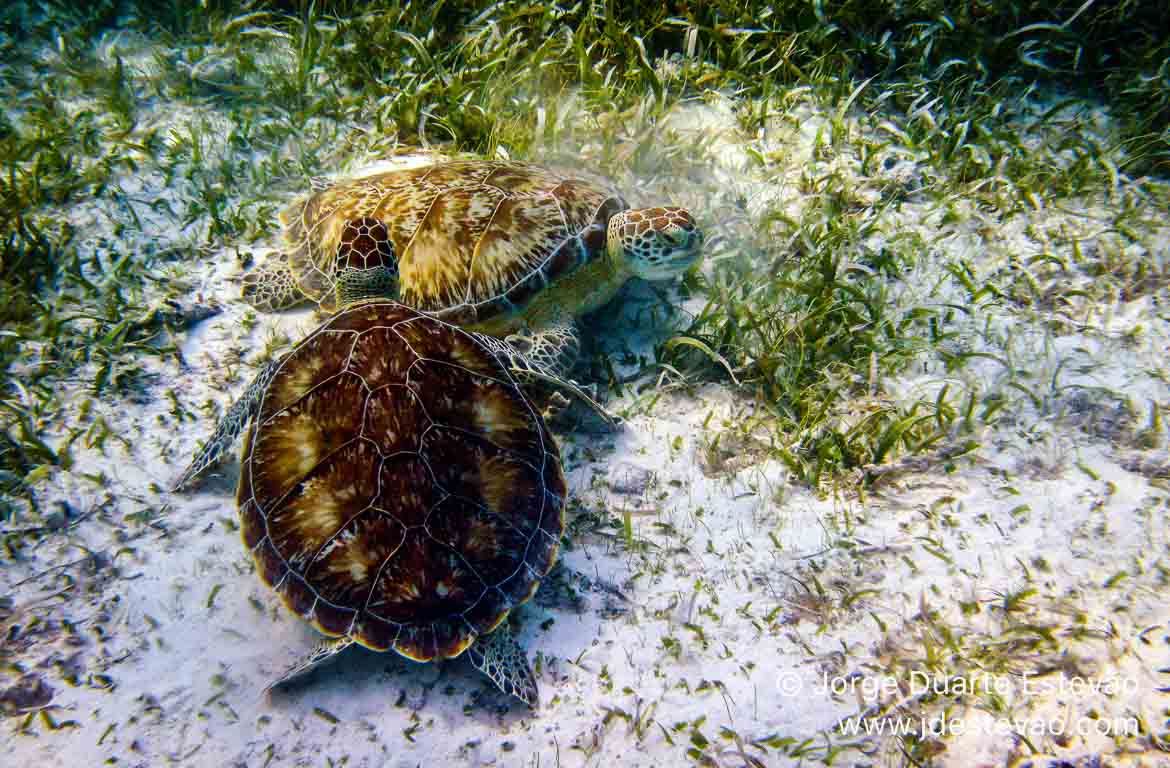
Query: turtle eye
(676,236)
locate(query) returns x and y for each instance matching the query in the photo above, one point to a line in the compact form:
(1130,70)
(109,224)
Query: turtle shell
(472,240)
(397,486)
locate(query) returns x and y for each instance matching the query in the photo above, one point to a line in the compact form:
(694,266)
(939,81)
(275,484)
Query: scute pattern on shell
(397,486)
(473,239)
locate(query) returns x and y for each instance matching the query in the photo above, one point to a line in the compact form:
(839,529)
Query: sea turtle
(398,489)
(506,248)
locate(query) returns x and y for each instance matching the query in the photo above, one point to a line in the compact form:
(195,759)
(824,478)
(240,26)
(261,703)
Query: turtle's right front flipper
(229,427)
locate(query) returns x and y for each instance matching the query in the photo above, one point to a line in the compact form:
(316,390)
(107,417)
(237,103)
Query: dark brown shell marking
(397,486)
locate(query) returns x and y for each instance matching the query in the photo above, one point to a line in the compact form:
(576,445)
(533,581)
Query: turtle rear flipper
(325,650)
(502,659)
(229,427)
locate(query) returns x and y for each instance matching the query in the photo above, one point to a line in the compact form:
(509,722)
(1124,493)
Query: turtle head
(655,243)
(366,265)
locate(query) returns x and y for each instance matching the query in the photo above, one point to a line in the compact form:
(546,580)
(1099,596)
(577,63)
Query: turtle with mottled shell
(506,248)
(398,489)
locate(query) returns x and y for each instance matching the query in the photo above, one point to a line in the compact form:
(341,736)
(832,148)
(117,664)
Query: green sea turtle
(398,490)
(505,248)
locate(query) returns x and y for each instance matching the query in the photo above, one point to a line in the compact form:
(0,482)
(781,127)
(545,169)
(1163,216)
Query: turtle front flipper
(553,349)
(229,427)
(517,355)
(325,650)
(272,286)
(502,659)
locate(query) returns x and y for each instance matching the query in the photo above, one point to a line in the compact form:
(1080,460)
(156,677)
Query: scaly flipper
(272,286)
(502,659)
(527,370)
(325,650)
(230,426)
(553,349)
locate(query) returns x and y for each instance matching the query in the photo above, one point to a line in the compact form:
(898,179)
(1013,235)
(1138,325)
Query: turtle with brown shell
(398,489)
(509,249)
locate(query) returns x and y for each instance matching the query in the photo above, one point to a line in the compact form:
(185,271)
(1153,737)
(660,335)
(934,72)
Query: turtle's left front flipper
(502,659)
(553,350)
(229,427)
(547,355)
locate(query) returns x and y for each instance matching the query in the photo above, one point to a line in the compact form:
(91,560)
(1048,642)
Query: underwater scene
(537,384)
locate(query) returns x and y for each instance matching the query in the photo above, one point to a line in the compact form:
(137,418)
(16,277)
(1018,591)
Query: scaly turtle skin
(399,490)
(504,248)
